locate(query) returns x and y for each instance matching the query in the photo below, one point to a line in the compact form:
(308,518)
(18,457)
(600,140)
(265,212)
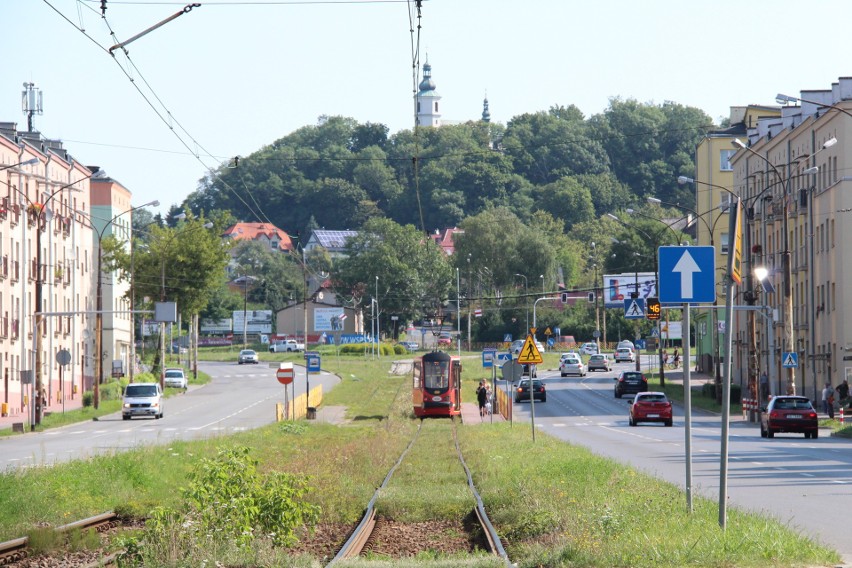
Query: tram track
(363,538)
(17,551)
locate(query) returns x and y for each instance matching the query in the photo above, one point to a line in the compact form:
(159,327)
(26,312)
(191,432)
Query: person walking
(481,398)
(842,391)
(676,358)
(828,400)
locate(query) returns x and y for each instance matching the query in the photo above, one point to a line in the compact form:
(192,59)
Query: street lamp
(99,311)
(542,286)
(41,214)
(29,162)
(789,340)
(526,298)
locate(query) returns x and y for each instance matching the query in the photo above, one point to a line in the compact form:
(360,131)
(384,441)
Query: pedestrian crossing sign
(790,360)
(530,355)
(634,308)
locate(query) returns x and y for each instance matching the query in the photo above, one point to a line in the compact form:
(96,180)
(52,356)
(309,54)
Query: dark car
(522,391)
(630,382)
(650,407)
(789,414)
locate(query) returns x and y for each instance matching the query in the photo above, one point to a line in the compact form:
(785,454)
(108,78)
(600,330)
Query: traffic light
(652,308)
(591,297)
(564,297)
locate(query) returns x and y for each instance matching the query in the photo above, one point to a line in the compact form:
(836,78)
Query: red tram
(436,388)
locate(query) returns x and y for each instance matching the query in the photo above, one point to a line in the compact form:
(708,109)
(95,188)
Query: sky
(228,77)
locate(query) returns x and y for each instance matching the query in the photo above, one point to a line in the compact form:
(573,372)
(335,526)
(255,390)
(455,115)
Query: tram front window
(437,376)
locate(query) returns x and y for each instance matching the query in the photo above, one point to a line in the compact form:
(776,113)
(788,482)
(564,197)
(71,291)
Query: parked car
(623,354)
(410,346)
(445,338)
(589,348)
(600,362)
(522,391)
(630,382)
(142,399)
(178,349)
(650,407)
(572,366)
(176,378)
(248,356)
(789,414)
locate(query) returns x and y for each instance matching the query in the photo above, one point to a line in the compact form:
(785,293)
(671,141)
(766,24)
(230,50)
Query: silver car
(572,366)
(248,356)
(600,362)
(175,378)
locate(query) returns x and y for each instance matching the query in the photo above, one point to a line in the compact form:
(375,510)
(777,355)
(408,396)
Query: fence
(299,407)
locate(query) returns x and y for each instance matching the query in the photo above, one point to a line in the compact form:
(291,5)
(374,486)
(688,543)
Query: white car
(589,348)
(142,399)
(247,356)
(175,378)
(572,366)
(518,344)
(568,355)
(624,354)
(626,343)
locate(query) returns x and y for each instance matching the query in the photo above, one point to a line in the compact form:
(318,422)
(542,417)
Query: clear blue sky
(238,75)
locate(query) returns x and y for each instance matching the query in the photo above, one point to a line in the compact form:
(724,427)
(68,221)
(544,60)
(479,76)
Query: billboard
(256,321)
(323,318)
(671,330)
(618,287)
(216,327)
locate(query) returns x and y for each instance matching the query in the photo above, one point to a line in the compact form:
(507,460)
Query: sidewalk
(470,415)
(21,415)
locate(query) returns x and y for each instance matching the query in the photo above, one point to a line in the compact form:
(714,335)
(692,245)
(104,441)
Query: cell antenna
(31,103)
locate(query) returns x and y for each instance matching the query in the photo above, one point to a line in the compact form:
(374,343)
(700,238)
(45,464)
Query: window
(725,160)
(724,243)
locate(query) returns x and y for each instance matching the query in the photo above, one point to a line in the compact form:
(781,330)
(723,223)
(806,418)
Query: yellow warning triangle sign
(530,355)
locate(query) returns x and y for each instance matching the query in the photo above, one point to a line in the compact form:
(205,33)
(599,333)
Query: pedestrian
(665,358)
(842,391)
(828,400)
(481,398)
(676,362)
(488,399)
(764,386)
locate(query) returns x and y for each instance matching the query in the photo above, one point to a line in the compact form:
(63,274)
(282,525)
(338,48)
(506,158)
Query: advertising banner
(257,321)
(324,318)
(671,330)
(214,327)
(617,287)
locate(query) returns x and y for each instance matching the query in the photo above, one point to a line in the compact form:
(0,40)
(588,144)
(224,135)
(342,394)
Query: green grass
(553,503)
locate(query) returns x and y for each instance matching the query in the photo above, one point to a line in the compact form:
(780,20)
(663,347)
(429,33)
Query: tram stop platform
(470,415)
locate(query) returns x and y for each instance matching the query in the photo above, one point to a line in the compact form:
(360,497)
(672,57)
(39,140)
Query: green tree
(414,276)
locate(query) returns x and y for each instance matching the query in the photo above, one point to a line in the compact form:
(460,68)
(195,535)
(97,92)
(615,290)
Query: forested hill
(339,173)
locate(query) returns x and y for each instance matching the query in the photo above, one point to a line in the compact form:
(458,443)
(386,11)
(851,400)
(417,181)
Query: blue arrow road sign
(634,308)
(687,275)
(790,360)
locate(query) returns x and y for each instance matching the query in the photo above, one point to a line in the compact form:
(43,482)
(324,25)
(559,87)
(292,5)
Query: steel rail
(16,549)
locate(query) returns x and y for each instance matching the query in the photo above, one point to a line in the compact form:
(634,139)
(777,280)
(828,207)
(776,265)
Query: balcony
(4,208)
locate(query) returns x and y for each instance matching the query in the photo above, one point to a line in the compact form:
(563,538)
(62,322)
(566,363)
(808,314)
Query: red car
(650,407)
(789,414)
(445,339)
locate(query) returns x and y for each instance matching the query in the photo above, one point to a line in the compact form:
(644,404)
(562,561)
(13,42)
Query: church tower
(428,113)
(486,114)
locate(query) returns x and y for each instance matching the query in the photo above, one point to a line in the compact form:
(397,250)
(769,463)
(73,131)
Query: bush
(111,390)
(708,390)
(361,348)
(88,399)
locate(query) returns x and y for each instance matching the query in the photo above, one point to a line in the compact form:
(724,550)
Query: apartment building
(46,267)
(795,186)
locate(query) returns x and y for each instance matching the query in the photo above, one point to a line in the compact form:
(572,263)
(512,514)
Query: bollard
(841,415)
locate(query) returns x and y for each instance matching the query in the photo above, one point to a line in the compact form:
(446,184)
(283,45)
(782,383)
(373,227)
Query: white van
(142,399)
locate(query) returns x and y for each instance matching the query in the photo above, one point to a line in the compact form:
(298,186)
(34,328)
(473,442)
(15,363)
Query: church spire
(486,114)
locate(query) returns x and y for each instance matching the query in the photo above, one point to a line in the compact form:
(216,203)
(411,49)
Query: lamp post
(789,339)
(99,310)
(526,298)
(29,162)
(41,212)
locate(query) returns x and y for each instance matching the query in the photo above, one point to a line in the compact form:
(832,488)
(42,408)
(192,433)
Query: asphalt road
(238,398)
(806,484)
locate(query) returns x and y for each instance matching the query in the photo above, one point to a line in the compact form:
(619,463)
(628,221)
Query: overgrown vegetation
(554,504)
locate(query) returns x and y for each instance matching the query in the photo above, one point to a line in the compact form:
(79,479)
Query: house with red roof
(266,233)
(444,239)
